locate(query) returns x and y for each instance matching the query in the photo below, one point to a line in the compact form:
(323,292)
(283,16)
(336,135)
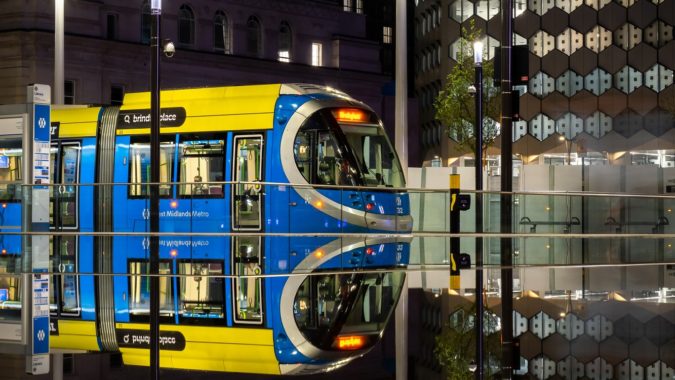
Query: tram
(228,211)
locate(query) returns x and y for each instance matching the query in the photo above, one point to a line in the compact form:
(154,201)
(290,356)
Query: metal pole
(401,141)
(478,65)
(506,186)
(156,9)
(57,97)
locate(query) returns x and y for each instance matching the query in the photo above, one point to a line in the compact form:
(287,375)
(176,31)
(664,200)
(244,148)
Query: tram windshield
(346,147)
(331,308)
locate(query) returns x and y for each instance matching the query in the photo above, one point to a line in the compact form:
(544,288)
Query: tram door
(247,215)
(63,196)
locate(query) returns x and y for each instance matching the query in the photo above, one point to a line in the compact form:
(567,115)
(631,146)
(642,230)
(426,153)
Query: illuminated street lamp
(478,64)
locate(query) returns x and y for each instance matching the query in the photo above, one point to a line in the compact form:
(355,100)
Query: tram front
(345,288)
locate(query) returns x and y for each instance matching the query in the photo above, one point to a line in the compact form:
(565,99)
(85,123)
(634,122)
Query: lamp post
(478,65)
(155,43)
(57,95)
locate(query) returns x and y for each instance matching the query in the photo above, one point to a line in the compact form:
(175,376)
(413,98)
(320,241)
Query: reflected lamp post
(478,65)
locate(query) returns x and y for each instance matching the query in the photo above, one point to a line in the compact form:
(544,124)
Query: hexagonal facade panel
(556,347)
(628,79)
(612,59)
(628,123)
(642,57)
(666,12)
(555,105)
(583,61)
(659,330)
(642,100)
(519,324)
(569,41)
(555,63)
(540,7)
(460,10)
(598,39)
(612,103)
(613,350)
(599,327)
(599,369)
(583,18)
(569,125)
(541,43)
(612,15)
(643,352)
(541,127)
(570,368)
(527,24)
(584,348)
(629,370)
(542,325)
(542,367)
(583,104)
(627,36)
(659,370)
(555,21)
(642,13)
(530,106)
(569,83)
(530,346)
(598,125)
(658,34)
(658,122)
(541,84)
(598,82)
(667,55)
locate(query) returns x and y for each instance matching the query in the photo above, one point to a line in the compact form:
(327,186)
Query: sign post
(36,143)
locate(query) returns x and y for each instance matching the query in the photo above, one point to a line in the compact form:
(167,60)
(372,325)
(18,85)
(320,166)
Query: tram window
(201,165)
(247,169)
(139,172)
(201,296)
(139,288)
(319,157)
(63,258)
(248,290)
(63,199)
(10,288)
(10,170)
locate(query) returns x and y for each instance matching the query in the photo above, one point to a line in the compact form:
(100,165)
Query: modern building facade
(601,76)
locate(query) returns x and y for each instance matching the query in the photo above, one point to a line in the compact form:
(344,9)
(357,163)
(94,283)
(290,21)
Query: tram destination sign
(168,340)
(168,117)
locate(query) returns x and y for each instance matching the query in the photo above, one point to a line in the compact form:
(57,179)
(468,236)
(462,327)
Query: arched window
(285,42)
(221,33)
(146,20)
(253,37)
(186,25)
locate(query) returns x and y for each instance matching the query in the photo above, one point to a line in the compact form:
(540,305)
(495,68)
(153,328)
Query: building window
(116,95)
(146,20)
(111,27)
(69,92)
(186,25)
(316,54)
(386,35)
(347,5)
(359,6)
(253,37)
(221,33)
(285,42)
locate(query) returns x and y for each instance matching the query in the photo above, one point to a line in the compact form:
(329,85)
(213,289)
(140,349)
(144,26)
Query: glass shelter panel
(139,153)
(201,164)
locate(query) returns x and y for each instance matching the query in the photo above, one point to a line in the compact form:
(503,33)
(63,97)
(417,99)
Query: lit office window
(285,42)
(347,5)
(386,35)
(359,6)
(316,54)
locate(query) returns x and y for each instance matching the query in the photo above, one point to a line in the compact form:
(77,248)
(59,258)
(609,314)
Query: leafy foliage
(455,104)
(456,346)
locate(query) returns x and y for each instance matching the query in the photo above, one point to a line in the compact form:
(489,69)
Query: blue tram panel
(303,160)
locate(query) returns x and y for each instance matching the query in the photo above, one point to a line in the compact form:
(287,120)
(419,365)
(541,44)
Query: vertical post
(156,10)
(478,65)
(58,52)
(454,229)
(401,142)
(506,187)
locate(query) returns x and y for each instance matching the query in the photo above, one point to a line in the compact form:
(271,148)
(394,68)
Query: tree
(455,104)
(456,346)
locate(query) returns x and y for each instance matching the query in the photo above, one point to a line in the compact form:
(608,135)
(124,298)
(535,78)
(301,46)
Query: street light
(155,50)
(478,64)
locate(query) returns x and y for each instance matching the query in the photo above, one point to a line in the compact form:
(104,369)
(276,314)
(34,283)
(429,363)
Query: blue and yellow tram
(228,155)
